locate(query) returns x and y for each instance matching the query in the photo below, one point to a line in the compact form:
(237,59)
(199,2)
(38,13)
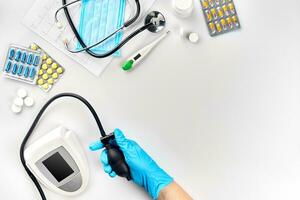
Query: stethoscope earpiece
(59,25)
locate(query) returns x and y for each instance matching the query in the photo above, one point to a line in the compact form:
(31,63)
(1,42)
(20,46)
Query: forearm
(173,192)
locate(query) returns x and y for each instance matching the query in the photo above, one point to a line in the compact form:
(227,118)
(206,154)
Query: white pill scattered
(193,37)
(16,109)
(22,93)
(29,101)
(19,101)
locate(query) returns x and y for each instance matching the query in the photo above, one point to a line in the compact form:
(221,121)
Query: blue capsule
(23,58)
(18,55)
(11,53)
(32,73)
(8,66)
(26,72)
(20,70)
(36,60)
(30,59)
(15,68)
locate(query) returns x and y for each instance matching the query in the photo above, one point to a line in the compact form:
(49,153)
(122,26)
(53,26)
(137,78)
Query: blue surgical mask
(98,19)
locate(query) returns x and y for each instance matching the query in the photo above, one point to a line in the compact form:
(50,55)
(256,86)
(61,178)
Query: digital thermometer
(57,160)
(137,57)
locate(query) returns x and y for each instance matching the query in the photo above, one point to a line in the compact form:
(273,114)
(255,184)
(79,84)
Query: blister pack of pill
(50,71)
(22,64)
(220,16)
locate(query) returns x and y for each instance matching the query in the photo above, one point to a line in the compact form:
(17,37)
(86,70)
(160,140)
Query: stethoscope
(154,22)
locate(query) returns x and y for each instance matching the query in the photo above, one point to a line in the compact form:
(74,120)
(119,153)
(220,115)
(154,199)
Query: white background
(222,117)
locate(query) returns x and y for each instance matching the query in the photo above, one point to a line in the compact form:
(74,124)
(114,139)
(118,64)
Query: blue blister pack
(22,64)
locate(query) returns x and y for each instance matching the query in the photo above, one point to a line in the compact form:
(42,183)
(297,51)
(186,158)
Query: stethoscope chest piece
(158,21)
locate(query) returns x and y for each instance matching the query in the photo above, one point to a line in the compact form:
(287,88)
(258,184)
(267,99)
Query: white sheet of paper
(40,19)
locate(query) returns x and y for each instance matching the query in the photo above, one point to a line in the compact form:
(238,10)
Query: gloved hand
(144,171)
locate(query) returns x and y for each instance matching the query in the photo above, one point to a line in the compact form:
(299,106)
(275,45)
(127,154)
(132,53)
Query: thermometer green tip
(127,65)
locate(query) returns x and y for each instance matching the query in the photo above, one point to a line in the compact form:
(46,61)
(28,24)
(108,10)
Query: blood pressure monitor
(57,160)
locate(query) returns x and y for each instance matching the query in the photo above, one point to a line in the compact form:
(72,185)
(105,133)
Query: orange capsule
(231,8)
(208,15)
(212,27)
(205,4)
(220,12)
(214,13)
(225,8)
(219,28)
(235,20)
(229,22)
(223,23)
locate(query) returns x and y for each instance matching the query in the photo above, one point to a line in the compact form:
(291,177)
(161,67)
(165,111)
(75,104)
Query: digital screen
(137,56)
(58,167)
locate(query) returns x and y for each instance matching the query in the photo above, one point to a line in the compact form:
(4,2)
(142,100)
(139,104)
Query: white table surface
(221,116)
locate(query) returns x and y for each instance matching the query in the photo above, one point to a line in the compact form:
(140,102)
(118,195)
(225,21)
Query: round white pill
(29,101)
(19,101)
(16,109)
(193,37)
(22,93)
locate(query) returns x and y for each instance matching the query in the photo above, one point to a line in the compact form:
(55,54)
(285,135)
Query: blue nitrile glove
(144,171)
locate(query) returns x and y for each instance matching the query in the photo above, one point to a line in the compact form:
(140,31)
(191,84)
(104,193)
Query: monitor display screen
(58,167)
